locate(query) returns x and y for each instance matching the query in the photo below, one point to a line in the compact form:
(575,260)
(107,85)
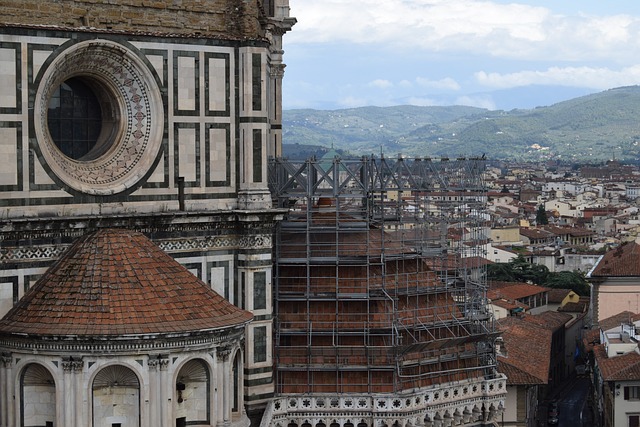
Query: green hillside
(589,128)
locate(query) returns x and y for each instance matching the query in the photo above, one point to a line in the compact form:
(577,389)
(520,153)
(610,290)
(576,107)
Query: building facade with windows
(617,375)
(155,117)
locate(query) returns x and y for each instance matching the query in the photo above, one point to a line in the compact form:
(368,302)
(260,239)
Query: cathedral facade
(153,117)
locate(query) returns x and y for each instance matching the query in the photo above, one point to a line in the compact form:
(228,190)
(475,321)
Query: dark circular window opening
(75,118)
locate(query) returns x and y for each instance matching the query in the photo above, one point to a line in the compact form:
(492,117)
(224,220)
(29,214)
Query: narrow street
(573,408)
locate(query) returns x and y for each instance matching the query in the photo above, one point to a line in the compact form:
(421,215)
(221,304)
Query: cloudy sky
(350,53)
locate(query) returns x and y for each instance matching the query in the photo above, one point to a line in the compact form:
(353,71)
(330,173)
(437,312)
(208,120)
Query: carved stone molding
(7,360)
(223,353)
(72,364)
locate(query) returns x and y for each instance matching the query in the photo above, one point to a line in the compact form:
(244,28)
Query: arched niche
(192,394)
(37,396)
(116,397)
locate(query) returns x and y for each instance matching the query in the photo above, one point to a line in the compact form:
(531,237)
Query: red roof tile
(622,261)
(509,305)
(625,367)
(558,295)
(513,290)
(551,320)
(515,375)
(114,282)
(528,349)
(618,319)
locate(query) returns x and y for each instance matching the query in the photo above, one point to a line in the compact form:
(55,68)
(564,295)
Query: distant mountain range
(590,128)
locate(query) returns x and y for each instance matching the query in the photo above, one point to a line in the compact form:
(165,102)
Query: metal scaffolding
(379,278)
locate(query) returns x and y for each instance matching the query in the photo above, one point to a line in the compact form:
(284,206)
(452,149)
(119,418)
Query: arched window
(237,386)
(37,396)
(116,397)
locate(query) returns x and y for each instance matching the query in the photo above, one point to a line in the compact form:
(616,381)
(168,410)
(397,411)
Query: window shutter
(626,393)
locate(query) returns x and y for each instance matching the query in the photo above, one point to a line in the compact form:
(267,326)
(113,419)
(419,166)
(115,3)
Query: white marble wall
(39,405)
(116,405)
(194,402)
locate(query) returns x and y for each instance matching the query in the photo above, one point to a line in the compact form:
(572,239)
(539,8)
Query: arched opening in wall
(37,396)
(192,394)
(81,118)
(237,389)
(116,397)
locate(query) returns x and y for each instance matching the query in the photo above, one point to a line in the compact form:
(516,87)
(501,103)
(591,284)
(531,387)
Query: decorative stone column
(278,24)
(155,403)
(77,366)
(68,389)
(224,408)
(7,406)
(166,393)
(274,148)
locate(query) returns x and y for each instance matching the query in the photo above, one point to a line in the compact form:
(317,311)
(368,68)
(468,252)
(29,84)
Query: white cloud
(469,26)
(476,101)
(597,78)
(446,83)
(380,83)
(422,102)
(353,102)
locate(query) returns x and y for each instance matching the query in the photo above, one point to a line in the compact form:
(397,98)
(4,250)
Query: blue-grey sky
(350,53)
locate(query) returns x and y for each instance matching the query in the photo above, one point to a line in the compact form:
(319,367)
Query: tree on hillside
(541,216)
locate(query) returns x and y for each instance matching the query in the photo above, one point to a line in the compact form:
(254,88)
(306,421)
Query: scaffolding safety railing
(378,270)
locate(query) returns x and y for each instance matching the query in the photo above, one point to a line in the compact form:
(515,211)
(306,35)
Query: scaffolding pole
(379,274)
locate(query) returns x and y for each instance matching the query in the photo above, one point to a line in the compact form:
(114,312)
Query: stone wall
(230,19)
(116,405)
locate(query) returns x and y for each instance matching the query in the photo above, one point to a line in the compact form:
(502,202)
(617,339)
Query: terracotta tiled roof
(528,348)
(513,290)
(625,367)
(558,295)
(114,282)
(590,338)
(536,233)
(571,231)
(515,375)
(574,307)
(509,305)
(617,319)
(551,320)
(622,261)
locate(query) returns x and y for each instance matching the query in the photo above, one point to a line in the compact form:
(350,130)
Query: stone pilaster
(223,359)
(166,392)
(154,395)
(222,365)
(6,401)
